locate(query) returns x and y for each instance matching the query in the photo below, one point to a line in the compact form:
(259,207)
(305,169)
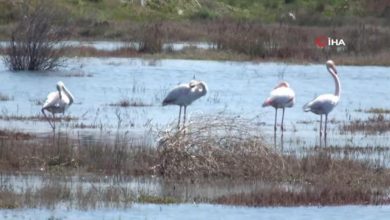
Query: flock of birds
(282,96)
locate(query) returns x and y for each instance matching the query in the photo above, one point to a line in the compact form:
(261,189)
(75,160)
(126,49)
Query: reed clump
(215,146)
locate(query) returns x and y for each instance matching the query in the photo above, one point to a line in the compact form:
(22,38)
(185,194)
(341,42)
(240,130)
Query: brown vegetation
(15,135)
(208,149)
(378,123)
(121,156)
(130,103)
(35,118)
(250,40)
(217,147)
(323,181)
(375,110)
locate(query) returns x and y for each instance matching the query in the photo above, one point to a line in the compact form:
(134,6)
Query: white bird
(325,103)
(57,102)
(282,96)
(184,94)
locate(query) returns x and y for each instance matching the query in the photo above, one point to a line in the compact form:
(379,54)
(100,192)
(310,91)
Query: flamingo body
(282,96)
(322,105)
(56,104)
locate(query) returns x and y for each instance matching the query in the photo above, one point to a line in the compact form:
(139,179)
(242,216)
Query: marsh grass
(78,74)
(249,40)
(93,52)
(218,149)
(15,135)
(4,97)
(123,155)
(144,198)
(66,118)
(323,180)
(130,103)
(377,123)
(374,110)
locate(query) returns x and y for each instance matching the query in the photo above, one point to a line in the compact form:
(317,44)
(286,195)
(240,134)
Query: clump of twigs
(216,146)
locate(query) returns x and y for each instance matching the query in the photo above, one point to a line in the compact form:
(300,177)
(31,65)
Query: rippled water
(235,88)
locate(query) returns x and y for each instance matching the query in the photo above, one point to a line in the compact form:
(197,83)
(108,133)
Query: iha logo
(323,41)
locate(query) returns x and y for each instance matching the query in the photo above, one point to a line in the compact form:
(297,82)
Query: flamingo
(184,94)
(57,102)
(282,96)
(325,103)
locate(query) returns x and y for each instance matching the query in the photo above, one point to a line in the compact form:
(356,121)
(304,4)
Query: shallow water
(185,191)
(235,88)
(205,211)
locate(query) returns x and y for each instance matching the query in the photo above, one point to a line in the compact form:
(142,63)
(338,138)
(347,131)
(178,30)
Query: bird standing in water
(325,103)
(184,94)
(57,102)
(282,96)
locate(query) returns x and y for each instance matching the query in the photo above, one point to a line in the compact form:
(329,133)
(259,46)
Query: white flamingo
(184,94)
(325,103)
(57,102)
(282,96)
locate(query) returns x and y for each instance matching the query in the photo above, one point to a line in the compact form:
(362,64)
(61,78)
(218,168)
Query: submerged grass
(375,110)
(378,123)
(36,118)
(130,103)
(4,97)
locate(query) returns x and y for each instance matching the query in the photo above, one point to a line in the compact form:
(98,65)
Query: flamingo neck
(204,89)
(68,94)
(59,92)
(336,81)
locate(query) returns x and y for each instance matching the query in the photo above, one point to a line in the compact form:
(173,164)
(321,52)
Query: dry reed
(217,147)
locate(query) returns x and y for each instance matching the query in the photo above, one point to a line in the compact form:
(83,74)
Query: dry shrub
(217,147)
(36,39)
(151,39)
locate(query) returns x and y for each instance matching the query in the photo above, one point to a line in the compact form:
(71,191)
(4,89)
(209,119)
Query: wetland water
(235,89)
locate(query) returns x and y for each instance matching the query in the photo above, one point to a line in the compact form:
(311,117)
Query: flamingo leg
(54,121)
(178,123)
(320,126)
(185,116)
(325,132)
(48,120)
(282,126)
(276,116)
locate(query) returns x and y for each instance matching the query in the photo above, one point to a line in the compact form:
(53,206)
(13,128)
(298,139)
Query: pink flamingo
(282,96)
(325,103)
